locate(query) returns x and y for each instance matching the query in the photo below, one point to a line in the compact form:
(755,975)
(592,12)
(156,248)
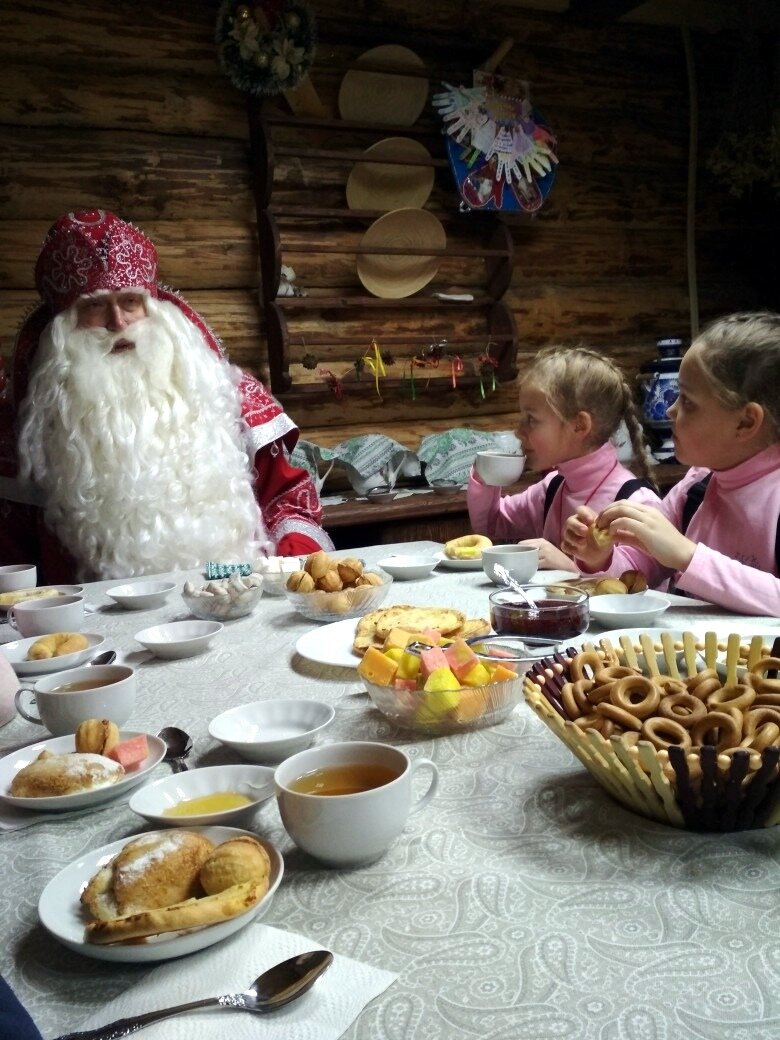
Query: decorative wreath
(266,48)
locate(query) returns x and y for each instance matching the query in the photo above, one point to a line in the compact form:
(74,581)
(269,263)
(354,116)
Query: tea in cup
(16,576)
(498,468)
(65,699)
(39,617)
(345,803)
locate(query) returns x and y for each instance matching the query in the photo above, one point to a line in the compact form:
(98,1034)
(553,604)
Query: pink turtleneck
(735,529)
(592,480)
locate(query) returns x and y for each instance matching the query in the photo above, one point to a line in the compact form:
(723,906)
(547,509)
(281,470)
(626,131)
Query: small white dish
(445,487)
(16,653)
(11,764)
(458,565)
(141,595)
(270,731)
(628,611)
(552,577)
(408,568)
(153,799)
(62,914)
(179,638)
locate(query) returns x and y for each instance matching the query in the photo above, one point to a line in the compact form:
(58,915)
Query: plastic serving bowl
(335,606)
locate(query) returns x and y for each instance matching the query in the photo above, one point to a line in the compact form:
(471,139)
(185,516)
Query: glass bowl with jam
(555,614)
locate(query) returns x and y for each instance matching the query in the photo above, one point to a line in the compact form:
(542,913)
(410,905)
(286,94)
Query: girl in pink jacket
(716,534)
(571,402)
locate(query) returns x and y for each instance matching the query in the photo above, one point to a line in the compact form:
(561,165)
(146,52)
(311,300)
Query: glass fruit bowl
(345,603)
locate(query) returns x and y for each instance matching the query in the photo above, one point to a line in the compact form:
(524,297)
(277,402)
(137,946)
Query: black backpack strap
(693,499)
(549,495)
(777,548)
(630,486)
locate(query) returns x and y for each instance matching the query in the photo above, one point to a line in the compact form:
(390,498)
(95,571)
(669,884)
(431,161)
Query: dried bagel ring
(717,723)
(665,733)
(623,718)
(590,721)
(587,659)
(597,694)
(740,697)
(570,703)
(683,708)
(759,670)
(669,685)
(636,695)
(703,684)
(765,736)
(766,700)
(611,673)
(758,717)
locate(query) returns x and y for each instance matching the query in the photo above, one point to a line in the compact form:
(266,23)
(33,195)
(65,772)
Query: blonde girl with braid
(572,401)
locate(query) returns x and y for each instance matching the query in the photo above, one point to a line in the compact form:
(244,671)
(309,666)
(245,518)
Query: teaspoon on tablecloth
(104,658)
(273,989)
(178,745)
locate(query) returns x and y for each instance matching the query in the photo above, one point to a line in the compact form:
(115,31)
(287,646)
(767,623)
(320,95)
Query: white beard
(141,454)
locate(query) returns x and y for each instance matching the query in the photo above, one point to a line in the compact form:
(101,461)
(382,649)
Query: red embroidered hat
(90,250)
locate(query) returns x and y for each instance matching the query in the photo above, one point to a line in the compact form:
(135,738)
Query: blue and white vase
(660,382)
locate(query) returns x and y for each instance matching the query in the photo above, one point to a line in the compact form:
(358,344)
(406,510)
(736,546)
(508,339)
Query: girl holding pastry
(571,402)
(716,535)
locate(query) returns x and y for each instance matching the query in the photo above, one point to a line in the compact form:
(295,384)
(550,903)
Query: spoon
(273,989)
(178,745)
(506,578)
(104,658)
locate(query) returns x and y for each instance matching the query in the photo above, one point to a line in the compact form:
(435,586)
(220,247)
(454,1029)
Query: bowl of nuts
(330,588)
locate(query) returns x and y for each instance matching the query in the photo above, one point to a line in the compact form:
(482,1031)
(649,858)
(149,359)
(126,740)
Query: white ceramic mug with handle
(40,617)
(65,699)
(16,576)
(345,803)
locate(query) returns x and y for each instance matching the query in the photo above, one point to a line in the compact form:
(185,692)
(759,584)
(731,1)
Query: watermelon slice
(130,753)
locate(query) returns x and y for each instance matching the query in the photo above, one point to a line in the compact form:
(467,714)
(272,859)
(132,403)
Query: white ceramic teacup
(349,830)
(16,576)
(110,695)
(498,468)
(522,561)
(39,617)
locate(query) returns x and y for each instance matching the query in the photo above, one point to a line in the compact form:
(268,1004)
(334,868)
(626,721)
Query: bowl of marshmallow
(224,599)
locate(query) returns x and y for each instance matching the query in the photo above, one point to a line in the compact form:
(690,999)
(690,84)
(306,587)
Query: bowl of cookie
(426,669)
(329,588)
(682,728)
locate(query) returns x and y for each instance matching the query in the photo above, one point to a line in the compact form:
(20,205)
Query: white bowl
(269,731)
(141,595)
(153,799)
(497,468)
(522,562)
(179,638)
(407,568)
(628,611)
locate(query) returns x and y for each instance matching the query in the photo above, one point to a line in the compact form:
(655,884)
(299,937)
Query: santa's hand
(577,542)
(550,557)
(645,527)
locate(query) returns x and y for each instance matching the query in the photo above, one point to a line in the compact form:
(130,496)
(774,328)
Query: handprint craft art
(501,153)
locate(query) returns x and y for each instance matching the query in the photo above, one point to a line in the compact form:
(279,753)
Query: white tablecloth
(522,904)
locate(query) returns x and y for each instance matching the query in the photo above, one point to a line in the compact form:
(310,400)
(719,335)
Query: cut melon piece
(130,753)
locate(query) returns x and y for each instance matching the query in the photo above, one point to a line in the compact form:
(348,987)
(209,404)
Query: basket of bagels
(680,728)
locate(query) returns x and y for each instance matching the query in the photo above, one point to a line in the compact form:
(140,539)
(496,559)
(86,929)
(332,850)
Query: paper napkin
(324,1013)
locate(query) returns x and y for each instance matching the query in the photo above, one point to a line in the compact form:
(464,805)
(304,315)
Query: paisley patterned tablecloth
(523,904)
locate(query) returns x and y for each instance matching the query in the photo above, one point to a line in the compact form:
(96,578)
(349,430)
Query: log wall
(123,105)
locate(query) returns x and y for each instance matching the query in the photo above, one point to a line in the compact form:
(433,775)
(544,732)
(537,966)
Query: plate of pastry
(10,599)
(52,776)
(161,894)
(41,655)
(458,565)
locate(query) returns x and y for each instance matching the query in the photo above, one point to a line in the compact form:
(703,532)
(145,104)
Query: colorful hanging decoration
(486,369)
(376,365)
(266,48)
(333,382)
(501,152)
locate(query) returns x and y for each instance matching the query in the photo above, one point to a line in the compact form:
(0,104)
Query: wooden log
(201,254)
(141,176)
